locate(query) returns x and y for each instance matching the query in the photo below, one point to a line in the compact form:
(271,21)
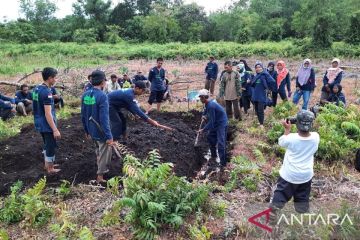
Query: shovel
(196,144)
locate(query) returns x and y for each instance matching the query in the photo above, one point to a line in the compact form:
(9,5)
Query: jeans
(229,109)
(306,98)
(217,137)
(259,109)
(117,122)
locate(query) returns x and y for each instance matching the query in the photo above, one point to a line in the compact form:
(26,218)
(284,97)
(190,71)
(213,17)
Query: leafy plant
(284,110)
(155,196)
(64,228)
(85,234)
(64,189)
(4,235)
(36,211)
(113,185)
(12,208)
(197,233)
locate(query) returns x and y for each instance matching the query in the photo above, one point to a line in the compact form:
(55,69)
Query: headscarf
(303,73)
(242,70)
(261,65)
(332,73)
(271,64)
(247,68)
(281,74)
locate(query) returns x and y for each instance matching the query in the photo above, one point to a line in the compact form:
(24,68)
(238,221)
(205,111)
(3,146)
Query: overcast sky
(10,8)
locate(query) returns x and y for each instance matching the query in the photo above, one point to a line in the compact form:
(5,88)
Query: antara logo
(302,219)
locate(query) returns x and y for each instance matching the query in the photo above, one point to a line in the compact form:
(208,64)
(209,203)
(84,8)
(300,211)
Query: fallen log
(15,84)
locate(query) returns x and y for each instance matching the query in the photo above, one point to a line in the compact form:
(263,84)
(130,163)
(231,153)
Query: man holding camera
(297,170)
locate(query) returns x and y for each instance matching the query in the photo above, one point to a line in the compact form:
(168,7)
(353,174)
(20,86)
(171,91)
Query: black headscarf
(271,64)
(247,68)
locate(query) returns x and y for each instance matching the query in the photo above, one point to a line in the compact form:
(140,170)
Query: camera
(291,120)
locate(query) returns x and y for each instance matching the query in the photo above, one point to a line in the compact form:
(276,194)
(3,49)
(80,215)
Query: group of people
(22,103)
(240,87)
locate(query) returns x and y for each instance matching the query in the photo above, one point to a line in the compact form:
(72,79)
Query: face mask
(271,68)
(241,65)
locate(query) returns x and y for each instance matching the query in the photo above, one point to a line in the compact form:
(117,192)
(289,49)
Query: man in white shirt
(298,166)
(112,85)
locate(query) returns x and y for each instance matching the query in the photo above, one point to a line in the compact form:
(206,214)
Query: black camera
(291,120)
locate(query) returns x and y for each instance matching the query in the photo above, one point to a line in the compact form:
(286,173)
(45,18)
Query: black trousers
(6,114)
(259,109)
(285,191)
(245,102)
(117,122)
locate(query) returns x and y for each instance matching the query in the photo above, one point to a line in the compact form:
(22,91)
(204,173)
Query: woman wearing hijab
(282,80)
(336,95)
(245,78)
(260,85)
(247,68)
(305,83)
(332,76)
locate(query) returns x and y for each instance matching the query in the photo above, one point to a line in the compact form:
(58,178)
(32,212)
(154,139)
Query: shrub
(85,35)
(156,197)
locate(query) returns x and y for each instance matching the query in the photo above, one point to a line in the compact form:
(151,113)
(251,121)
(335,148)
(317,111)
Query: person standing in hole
(211,71)
(230,90)
(45,117)
(95,120)
(297,169)
(157,88)
(216,126)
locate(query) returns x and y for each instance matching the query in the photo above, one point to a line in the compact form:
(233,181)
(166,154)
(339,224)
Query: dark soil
(21,157)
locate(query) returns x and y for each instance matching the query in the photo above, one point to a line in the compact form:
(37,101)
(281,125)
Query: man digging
(216,127)
(125,99)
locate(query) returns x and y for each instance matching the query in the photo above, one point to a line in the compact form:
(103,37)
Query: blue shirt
(88,86)
(247,86)
(139,77)
(4,99)
(157,79)
(21,97)
(216,116)
(260,84)
(125,98)
(42,96)
(211,70)
(95,104)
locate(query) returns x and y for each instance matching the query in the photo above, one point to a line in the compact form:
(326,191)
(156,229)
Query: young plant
(64,189)
(113,185)
(12,208)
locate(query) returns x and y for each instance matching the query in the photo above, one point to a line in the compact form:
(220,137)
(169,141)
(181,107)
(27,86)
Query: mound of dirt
(21,156)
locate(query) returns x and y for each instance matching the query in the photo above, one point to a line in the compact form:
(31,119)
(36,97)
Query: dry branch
(15,84)
(28,75)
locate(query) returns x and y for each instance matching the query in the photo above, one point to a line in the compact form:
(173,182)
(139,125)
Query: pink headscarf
(281,74)
(332,73)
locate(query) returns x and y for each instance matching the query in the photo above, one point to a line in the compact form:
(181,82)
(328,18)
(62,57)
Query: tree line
(161,21)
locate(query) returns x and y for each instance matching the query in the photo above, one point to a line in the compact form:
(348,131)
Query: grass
(21,58)
(13,127)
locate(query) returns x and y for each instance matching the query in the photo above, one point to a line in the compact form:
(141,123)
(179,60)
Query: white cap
(203,92)
(336,60)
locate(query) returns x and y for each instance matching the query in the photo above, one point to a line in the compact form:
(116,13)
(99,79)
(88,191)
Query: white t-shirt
(298,164)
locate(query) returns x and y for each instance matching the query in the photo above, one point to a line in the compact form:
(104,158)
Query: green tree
(191,19)
(85,35)
(112,34)
(97,11)
(122,12)
(20,31)
(353,32)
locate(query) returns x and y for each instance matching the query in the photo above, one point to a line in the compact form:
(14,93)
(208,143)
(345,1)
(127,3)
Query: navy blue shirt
(125,98)
(212,70)
(42,96)
(337,98)
(310,84)
(157,79)
(260,84)
(216,116)
(88,86)
(247,86)
(285,83)
(21,97)
(139,77)
(95,104)
(4,99)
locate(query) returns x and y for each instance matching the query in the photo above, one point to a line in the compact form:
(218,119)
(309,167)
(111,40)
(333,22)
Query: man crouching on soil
(216,127)
(297,170)
(95,119)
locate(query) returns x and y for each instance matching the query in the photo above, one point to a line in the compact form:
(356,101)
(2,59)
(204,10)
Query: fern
(12,209)
(113,185)
(64,189)
(4,235)
(259,155)
(85,234)
(153,159)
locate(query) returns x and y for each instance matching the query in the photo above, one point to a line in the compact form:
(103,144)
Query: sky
(10,8)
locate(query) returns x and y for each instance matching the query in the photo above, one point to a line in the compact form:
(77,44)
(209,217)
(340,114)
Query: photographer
(297,171)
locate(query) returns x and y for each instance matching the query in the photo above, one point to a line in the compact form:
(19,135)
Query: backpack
(357,160)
